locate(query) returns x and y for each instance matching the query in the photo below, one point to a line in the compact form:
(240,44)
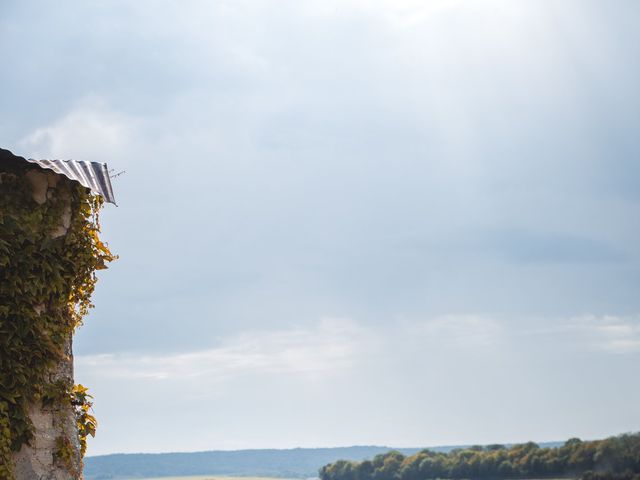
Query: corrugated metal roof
(93,175)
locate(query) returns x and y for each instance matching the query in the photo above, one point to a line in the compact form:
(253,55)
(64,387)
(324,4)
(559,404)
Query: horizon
(391,448)
(385,222)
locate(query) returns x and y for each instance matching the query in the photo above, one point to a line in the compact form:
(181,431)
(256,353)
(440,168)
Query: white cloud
(616,334)
(348,371)
(344,156)
(331,345)
(339,344)
(462,329)
(91,131)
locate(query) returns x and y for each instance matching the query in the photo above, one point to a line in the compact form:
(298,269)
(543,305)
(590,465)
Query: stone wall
(38,461)
(52,423)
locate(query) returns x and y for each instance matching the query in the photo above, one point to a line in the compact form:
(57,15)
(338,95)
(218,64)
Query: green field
(205,477)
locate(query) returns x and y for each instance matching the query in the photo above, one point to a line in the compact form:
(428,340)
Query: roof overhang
(93,175)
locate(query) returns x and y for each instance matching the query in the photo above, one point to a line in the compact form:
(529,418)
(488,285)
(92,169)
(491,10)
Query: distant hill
(291,463)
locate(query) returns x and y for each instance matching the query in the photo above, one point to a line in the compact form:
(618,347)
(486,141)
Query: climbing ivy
(5,441)
(85,421)
(64,454)
(46,281)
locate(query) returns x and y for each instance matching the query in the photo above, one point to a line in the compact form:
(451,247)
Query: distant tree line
(615,458)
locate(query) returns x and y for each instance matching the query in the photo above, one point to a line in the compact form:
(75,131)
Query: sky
(389,222)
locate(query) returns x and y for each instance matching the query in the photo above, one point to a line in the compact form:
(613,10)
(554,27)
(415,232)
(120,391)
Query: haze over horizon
(384,222)
(335,447)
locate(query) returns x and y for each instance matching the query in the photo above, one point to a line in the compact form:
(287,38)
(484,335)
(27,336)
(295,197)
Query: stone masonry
(37,461)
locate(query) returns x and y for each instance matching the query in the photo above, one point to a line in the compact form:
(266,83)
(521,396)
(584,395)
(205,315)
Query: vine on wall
(46,281)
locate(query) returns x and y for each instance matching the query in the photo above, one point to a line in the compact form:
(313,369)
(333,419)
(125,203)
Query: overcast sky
(393,222)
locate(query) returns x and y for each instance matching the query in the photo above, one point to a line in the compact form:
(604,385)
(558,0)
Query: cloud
(91,131)
(461,330)
(615,334)
(335,344)
(371,159)
(414,375)
(330,345)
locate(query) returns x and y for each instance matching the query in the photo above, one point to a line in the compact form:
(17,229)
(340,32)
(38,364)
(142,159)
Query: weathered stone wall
(38,460)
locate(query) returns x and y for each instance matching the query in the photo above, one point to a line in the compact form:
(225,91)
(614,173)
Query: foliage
(46,282)
(5,441)
(611,458)
(55,393)
(64,454)
(86,423)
